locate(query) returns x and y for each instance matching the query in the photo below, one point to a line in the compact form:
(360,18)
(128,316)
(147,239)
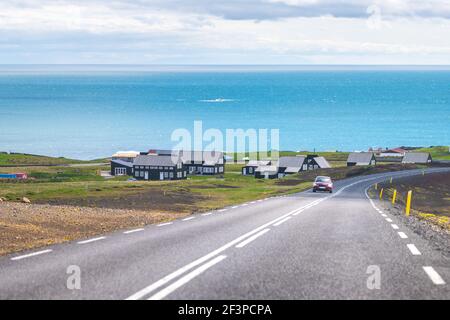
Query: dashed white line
(281,221)
(207,214)
(402,235)
(31,255)
(189,218)
(182,281)
(413,249)
(234,207)
(253,202)
(164,224)
(394,226)
(388,219)
(244,204)
(252,238)
(133,231)
(221,210)
(91,240)
(434,276)
(383,215)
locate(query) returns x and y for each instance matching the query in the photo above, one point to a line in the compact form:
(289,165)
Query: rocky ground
(437,235)
(24,226)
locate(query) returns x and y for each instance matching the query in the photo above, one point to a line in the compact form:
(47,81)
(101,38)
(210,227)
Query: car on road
(323,183)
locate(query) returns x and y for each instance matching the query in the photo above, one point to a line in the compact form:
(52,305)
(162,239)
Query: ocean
(91,113)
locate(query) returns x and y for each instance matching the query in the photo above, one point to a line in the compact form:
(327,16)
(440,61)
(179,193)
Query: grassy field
(20,159)
(437,153)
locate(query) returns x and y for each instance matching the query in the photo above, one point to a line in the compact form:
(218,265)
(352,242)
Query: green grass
(20,159)
(437,153)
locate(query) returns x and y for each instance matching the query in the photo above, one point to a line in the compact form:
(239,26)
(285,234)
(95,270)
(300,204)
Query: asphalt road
(304,246)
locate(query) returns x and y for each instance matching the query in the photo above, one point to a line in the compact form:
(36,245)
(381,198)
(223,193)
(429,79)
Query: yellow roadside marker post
(408,203)
(394,196)
(381,193)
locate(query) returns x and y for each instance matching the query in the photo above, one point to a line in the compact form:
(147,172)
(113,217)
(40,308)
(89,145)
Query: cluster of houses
(177,165)
(167,164)
(397,155)
(284,165)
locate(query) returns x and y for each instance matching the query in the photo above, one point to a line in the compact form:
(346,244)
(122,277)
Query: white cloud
(152,32)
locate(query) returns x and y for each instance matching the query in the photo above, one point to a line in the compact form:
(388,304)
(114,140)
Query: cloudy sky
(225,31)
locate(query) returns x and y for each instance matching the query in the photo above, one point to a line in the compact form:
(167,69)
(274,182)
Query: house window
(121,171)
(185,174)
(136,173)
(142,174)
(250,169)
(171,175)
(166,174)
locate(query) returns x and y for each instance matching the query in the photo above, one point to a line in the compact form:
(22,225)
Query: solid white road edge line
(133,231)
(207,214)
(402,235)
(434,276)
(182,281)
(91,240)
(189,218)
(413,249)
(147,290)
(282,221)
(252,238)
(31,255)
(164,224)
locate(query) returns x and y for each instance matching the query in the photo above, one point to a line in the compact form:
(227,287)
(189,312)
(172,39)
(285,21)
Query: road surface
(303,246)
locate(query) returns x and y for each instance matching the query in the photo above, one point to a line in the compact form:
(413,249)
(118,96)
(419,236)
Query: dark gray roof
(360,157)
(123,163)
(154,160)
(322,162)
(416,157)
(293,162)
(209,157)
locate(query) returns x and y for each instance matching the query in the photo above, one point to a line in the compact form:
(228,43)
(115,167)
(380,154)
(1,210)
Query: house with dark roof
(121,168)
(196,162)
(251,166)
(203,162)
(322,163)
(159,167)
(361,159)
(417,157)
(294,164)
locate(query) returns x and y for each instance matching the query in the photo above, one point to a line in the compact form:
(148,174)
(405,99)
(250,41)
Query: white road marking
(133,231)
(253,202)
(298,212)
(234,207)
(164,224)
(221,210)
(147,290)
(91,240)
(282,221)
(388,219)
(254,237)
(383,215)
(189,218)
(244,204)
(394,226)
(31,254)
(207,214)
(402,235)
(434,276)
(182,281)
(413,249)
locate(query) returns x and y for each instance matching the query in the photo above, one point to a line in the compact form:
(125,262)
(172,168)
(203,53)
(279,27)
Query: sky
(412,32)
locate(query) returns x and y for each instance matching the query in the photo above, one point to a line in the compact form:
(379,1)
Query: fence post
(391,180)
(376,186)
(408,203)
(394,196)
(381,193)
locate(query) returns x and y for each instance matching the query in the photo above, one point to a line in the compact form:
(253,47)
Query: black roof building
(159,167)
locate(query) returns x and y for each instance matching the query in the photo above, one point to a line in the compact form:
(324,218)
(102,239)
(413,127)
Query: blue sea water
(93,114)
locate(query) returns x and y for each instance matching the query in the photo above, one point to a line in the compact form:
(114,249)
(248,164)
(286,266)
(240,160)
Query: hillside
(21,159)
